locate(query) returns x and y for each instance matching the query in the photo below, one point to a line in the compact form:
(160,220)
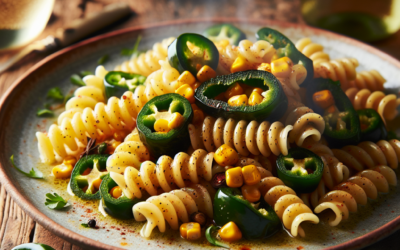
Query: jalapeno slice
(253,223)
(372,126)
(85,177)
(191,52)
(117,82)
(224,31)
(163,124)
(300,169)
(271,108)
(285,47)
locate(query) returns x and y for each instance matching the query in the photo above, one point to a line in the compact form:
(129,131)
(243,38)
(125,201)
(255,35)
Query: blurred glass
(22,20)
(367,20)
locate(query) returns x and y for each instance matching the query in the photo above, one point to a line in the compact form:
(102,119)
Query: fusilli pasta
(371,80)
(314,51)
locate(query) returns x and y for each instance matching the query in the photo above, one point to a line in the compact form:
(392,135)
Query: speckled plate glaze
(19,123)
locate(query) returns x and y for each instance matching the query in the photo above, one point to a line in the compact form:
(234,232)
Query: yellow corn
(274,57)
(233,90)
(175,121)
(265,67)
(240,64)
(198,117)
(69,160)
(186,91)
(234,177)
(223,43)
(190,231)
(161,125)
(187,78)
(206,73)
(230,232)
(258,90)
(251,193)
(96,183)
(281,67)
(255,98)
(226,156)
(323,98)
(116,192)
(251,175)
(238,100)
(196,85)
(62,171)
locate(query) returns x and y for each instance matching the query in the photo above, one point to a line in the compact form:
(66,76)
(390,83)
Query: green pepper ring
(301,184)
(234,34)
(84,163)
(120,208)
(272,108)
(179,53)
(111,83)
(376,130)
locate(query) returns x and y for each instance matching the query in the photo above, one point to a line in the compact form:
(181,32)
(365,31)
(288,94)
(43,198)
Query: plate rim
(84,241)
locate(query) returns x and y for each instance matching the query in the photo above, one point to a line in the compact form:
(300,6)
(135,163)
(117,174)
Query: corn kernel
(198,117)
(332,109)
(240,64)
(233,90)
(190,231)
(186,91)
(323,98)
(161,125)
(187,78)
(251,175)
(226,156)
(274,57)
(69,160)
(206,73)
(116,192)
(96,183)
(281,67)
(265,67)
(258,90)
(230,232)
(196,85)
(251,193)
(234,177)
(255,98)
(238,100)
(62,171)
(175,121)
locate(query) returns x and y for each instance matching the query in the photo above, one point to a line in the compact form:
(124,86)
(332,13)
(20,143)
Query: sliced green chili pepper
(33,246)
(253,223)
(191,52)
(224,31)
(271,108)
(285,47)
(116,83)
(336,138)
(163,107)
(300,169)
(120,208)
(82,185)
(372,126)
(210,236)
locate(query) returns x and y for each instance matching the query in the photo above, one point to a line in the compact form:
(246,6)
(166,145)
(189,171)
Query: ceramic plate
(19,123)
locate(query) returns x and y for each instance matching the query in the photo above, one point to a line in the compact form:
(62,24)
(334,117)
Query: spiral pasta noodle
(254,53)
(385,105)
(371,80)
(146,63)
(314,51)
(172,207)
(345,197)
(343,70)
(368,154)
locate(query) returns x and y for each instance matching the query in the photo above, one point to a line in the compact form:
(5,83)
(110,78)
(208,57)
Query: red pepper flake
(300,248)
(333,238)
(392,211)
(122,233)
(352,232)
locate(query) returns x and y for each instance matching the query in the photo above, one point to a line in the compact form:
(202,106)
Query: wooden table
(16,227)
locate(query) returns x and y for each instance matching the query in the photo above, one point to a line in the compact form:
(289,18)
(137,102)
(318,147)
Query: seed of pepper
(91,223)
(218,180)
(199,218)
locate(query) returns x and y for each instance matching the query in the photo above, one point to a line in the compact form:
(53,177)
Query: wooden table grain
(16,226)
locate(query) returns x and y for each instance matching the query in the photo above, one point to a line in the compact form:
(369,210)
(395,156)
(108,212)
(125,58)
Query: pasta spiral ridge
(345,197)
(166,174)
(147,63)
(314,51)
(369,154)
(385,105)
(172,207)
(371,80)
(343,70)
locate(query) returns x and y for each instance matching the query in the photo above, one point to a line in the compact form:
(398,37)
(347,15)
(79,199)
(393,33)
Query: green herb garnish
(103,59)
(45,113)
(77,80)
(54,201)
(85,73)
(134,50)
(85,225)
(32,174)
(55,93)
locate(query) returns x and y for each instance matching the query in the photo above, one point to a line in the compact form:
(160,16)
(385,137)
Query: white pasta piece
(314,51)
(371,80)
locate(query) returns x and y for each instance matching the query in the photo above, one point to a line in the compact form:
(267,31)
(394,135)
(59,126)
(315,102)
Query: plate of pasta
(208,134)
